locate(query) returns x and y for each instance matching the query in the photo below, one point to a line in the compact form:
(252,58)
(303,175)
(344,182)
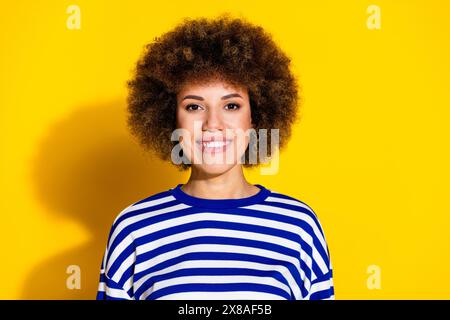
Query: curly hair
(230,49)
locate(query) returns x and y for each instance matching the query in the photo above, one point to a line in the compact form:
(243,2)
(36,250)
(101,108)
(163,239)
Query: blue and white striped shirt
(173,246)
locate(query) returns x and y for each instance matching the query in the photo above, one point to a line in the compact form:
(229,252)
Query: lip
(214,145)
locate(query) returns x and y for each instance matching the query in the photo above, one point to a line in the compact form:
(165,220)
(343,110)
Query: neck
(228,185)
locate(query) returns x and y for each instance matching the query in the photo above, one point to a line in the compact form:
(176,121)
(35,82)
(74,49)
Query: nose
(213,121)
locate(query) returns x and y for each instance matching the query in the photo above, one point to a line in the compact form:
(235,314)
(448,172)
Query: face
(215,118)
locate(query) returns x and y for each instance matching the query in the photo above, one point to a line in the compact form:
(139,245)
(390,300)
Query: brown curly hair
(230,49)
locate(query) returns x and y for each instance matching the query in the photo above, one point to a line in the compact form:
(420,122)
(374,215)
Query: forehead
(211,86)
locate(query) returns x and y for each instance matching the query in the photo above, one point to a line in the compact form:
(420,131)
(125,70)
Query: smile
(214,146)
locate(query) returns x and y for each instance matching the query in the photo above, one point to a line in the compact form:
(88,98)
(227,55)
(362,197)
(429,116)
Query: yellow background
(370,154)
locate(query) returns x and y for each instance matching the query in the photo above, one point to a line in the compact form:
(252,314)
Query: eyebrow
(231,95)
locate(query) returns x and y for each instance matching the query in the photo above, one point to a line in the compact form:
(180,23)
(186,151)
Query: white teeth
(214,144)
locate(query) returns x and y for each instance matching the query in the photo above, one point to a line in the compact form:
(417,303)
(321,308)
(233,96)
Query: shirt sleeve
(321,286)
(108,289)
(117,267)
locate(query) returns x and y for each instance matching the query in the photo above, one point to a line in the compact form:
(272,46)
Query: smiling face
(215,117)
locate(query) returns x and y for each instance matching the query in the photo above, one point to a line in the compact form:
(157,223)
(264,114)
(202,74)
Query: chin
(213,169)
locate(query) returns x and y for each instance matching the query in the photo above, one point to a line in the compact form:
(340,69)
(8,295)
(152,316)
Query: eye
(232,106)
(192,107)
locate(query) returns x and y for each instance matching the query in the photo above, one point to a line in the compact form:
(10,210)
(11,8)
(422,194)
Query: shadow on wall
(88,169)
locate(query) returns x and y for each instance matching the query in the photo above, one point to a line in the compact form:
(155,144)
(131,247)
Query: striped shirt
(173,246)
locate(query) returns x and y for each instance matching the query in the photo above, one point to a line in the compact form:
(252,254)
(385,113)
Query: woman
(202,94)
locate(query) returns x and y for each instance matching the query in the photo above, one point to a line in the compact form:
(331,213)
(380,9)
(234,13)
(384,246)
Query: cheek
(239,120)
(180,119)
(185,121)
(247,119)
(241,125)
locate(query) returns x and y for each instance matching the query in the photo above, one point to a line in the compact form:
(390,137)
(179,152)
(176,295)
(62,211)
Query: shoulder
(278,198)
(149,203)
(137,214)
(297,212)
(310,228)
